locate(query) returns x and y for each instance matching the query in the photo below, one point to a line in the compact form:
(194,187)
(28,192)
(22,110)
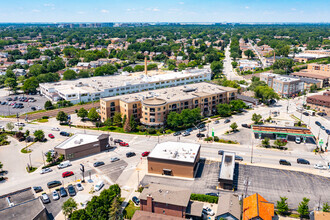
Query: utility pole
(246,186)
(42,154)
(252,151)
(138,179)
(30,160)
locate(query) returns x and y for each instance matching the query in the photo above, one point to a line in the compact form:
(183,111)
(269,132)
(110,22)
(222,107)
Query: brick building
(174,159)
(320,102)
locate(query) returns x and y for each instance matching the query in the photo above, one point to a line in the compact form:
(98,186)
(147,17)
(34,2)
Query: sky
(24,11)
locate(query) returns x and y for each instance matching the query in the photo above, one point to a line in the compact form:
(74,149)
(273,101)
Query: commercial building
(22,204)
(170,201)
(81,145)
(245,65)
(174,159)
(285,86)
(226,175)
(318,67)
(152,107)
(89,89)
(256,207)
(320,102)
(229,207)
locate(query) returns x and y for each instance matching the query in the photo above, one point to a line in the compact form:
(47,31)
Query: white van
(99,186)
(64,164)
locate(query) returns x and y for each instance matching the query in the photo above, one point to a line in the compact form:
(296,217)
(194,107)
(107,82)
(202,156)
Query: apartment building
(318,67)
(89,89)
(152,107)
(320,102)
(285,86)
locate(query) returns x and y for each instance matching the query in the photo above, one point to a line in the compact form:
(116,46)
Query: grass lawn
(130,210)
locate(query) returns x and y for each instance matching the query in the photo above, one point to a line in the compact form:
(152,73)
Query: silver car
(45,199)
(114,159)
(79,187)
(46,170)
(56,196)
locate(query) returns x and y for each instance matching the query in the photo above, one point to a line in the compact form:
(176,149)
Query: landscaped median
(217,139)
(26,150)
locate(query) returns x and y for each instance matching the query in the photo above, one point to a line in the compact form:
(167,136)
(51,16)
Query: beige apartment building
(318,67)
(152,107)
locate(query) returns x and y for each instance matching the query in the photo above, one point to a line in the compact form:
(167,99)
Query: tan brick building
(320,102)
(174,159)
(152,107)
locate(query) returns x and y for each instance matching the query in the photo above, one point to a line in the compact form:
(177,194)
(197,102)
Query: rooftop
(229,203)
(282,130)
(256,206)
(227,166)
(177,93)
(167,194)
(195,208)
(176,151)
(317,75)
(143,215)
(77,140)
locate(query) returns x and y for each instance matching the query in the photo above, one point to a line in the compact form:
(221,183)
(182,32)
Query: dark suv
(285,162)
(130,154)
(302,161)
(53,184)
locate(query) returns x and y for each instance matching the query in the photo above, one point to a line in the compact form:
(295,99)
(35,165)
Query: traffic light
(82,169)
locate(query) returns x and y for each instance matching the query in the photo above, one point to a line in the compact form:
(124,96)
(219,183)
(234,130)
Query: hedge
(204,198)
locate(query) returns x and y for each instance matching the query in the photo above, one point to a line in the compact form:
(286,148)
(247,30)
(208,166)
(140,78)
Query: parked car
(200,135)
(246,126)
(37,189)
(220,152)
(145,154)
(53,184)
(327,131)
(124,144)
(79,187)
(186,133)
(33,108)
(306,113)
(63,133)
(322,127)
(135,200)
(189,130)
(320,167)
(29,139)
(46,170)
(130,154)
(117,141)
(208,211)
(239,158)
(67,174)
(56,196)
(317,123)
(71,190)
(55,129)
(302,161)
(177,133)
(98,186)
(216,122)
(212,194)
(202,129)
(114,159)
(63,192)
(64,164)
(20,124)
(44,198)
(298,140)
(285,162)
(51,136)
(226,121)
(201,126)
(98,163)
(322,114)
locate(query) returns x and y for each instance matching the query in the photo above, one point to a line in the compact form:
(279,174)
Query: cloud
(181,3)
(130,9)
(35,10)
(81,12)
(49,5)
(104,11)
(152,9)
(293,9)
(247,7)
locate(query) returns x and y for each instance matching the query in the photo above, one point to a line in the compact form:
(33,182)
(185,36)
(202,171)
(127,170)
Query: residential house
(229,207)
(83,66)
(256,207)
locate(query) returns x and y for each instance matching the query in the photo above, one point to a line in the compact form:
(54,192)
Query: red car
(145,154)
(67,173)
(51,136)
(123,144)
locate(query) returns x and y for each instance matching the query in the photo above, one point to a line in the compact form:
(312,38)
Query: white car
(46,170)
(298,140)
(19,124)
(2,127)
(38,108)
(45,199)
(208,211)
(114,159)
(56,196)
(98,186)
(79,187)
(55,129)
(320,167)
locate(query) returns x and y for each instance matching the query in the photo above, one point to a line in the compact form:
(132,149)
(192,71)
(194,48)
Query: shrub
(141,128)
(208,139)
(204,198)
(216,138)
(45,117)
(151,131)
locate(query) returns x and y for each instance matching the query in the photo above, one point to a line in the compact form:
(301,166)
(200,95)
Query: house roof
(195,208)
(143,215)
(229,203)
(318,215)
(167,194)
(256,206)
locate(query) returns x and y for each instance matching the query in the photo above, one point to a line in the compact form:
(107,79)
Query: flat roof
(172,94)
(77,140)
(227,166)
(316,75)
(282,130)
(176,151)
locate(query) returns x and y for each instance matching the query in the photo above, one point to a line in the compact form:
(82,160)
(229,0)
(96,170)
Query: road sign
(212,132)
(321,142)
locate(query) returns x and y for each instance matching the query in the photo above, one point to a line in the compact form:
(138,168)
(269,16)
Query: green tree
(69,75)
(82,113)
(39,135)
(216,67)
(30,85)
(224,110)
(48,105)
(313,88)
(249,54)
(174,120)
(108,122)
(283,64)
(69,206)
(138,68)
(234,64)
(117,119)
(325,208)
(1,166)
(132,123)
(128,69)
(303,208)
(233,126)
(256,118)
(237,105)
(49,157)
(10,126)
(11,83)
(93,115)
(115,210)
(127,126)
(282,206)
(61,116)
(84,74)
(27,133)
(280,143)
(265,142)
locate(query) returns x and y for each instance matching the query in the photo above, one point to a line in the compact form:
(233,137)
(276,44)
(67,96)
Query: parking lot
(113,170)
(6,109)
(268,182)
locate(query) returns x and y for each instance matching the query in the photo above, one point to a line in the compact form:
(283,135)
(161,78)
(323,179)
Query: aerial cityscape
(164,110)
